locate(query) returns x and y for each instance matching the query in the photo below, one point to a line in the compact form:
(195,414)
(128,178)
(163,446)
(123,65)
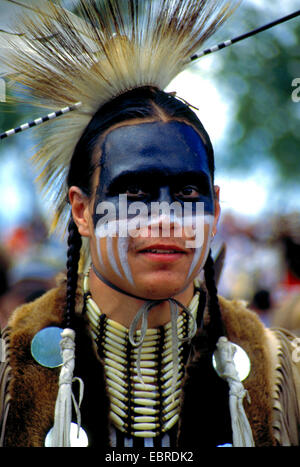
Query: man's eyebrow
(131,175)
(190,174)
(153,176)
(127,177)
(201,180)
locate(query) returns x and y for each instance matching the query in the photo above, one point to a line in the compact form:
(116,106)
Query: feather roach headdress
(60,59)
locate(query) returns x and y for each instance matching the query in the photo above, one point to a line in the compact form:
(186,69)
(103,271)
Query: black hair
(292,254)
(140,103)
(144,102)
(215,327)
(73,256)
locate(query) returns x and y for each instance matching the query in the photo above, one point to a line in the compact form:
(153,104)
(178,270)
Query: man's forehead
(157,143)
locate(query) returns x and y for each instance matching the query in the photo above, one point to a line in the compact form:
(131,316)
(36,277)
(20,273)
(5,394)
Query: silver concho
(241,361)
(45,347)
(77,440)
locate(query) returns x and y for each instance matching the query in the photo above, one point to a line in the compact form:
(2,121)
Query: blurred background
(248,98)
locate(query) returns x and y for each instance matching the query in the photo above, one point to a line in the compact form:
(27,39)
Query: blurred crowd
(258,262)
(30,261)
(262,266)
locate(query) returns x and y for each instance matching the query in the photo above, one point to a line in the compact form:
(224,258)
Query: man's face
(154,208)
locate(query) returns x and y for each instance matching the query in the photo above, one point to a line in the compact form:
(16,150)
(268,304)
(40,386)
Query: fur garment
(33,388)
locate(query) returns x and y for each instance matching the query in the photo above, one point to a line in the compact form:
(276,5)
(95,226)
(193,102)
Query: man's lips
(162,248)
(163,252)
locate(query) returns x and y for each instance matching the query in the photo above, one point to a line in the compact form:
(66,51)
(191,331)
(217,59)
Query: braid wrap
(215,327)
(205,396)
(73,256)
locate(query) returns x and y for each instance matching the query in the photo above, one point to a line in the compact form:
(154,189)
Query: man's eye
(189,192)
(135,192)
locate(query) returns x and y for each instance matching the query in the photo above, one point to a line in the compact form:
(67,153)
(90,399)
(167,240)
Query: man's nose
(165,194)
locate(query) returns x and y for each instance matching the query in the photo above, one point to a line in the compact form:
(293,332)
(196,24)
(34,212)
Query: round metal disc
(241,361)
(45,347)
(80,441)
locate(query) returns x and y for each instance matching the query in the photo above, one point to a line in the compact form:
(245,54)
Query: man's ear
(217,208)
(80,210)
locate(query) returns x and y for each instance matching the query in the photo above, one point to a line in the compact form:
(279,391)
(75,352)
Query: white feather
(91,58)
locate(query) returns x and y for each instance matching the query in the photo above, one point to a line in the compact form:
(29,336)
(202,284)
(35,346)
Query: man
(154,347)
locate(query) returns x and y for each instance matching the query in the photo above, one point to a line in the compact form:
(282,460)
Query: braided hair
(206,396)
(215,327)
(73,256)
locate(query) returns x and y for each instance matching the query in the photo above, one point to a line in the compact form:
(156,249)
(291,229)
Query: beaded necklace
(149,407)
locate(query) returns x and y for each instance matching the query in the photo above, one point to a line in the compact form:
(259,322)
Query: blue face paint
(155,162)
(150,163)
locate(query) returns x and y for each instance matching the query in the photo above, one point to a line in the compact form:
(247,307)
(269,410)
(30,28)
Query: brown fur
(33,389)
(245,329)
(29,422)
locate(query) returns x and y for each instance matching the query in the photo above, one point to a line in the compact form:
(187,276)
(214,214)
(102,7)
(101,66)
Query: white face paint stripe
(99,251)
(208,220)
(123,255)
(195,261)
(102,231)
(111,256)
(190,225)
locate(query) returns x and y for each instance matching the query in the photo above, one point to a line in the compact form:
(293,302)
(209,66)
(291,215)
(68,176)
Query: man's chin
(160,290)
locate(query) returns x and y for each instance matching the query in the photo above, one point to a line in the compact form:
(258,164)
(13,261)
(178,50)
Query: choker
(143,380)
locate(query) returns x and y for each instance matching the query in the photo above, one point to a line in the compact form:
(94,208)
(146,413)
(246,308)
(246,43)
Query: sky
(18,196)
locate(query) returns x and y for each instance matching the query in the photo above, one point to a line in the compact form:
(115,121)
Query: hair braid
(215,327)
(73,255)
(205,395)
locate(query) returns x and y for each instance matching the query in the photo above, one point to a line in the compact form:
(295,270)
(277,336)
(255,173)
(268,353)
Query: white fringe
(241,429)
(60,436)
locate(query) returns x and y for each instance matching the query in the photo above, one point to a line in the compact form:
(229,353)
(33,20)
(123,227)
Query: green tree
(257,75)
